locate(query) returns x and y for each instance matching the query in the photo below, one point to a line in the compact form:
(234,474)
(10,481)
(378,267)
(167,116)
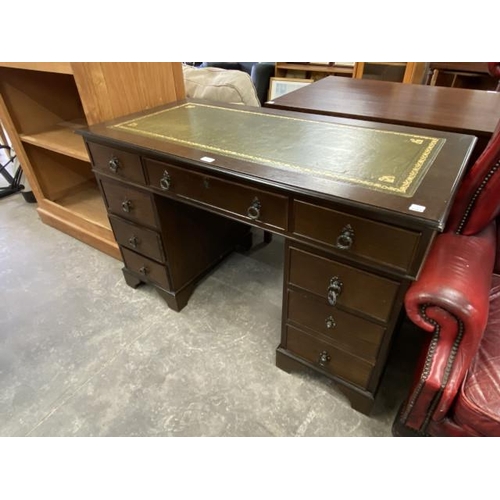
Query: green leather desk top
(377,159)
(404,172)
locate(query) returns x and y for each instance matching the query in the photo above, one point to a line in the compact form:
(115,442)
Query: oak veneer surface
(101,87)
(52,67)
(452,109)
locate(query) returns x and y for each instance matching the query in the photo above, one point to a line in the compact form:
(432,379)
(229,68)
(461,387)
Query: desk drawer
(117,163)
(355,335)
(328,358)
(372,240)
(137,238)
(361,291)
(148,269)
(129,203)
(267,208)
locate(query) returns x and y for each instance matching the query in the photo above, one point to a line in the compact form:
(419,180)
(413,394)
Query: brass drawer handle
(253,211)
(133,241)
(114,164)
(144,270)
(127,206)
(165,181)
(324,358)
(334,290)
(330,323)
(346,238)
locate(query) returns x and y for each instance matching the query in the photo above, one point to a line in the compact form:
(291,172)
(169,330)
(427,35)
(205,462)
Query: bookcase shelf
(282,68)
(60,139)
(86,203)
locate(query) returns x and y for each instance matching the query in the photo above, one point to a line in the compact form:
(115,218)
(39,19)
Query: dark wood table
(465,111)
(357,204)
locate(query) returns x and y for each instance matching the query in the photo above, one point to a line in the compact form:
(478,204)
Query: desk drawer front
(361,291)
(117,163)
(129,203)
(251,203)
(372,240)
(355,335)
(137,238)
(327,357)
(148,269)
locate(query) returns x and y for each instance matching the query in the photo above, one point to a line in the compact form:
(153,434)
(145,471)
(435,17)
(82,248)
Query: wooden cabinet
(405,72)
(41,106)
(466,75)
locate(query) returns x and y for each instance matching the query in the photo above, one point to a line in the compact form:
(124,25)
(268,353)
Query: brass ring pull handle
(346,238)
(114,164)
(253,211)
(133,241)
(324,358)
(127,206)
(330,323)
(165,181)
(334,290)
(144,270)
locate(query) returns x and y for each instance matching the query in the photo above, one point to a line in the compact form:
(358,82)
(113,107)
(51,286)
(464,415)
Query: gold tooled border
(130,126)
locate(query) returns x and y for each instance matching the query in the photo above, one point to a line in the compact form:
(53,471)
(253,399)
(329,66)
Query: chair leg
(268,237)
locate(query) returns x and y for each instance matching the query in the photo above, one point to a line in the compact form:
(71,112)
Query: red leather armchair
(456,302)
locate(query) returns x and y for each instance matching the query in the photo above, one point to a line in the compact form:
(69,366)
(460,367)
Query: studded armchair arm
(450,301)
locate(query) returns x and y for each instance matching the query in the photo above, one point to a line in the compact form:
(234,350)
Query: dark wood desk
(358,206)
(464,111)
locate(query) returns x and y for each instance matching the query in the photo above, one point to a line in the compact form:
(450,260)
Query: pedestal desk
(358,204)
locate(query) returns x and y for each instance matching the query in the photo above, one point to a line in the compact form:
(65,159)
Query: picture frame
(281,86)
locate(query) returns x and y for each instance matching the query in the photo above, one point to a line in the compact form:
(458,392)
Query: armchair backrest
(260,73)
(478,199)
(220,85)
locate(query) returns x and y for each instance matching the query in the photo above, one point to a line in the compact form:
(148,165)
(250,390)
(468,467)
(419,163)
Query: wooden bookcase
(405,72)
(41,105)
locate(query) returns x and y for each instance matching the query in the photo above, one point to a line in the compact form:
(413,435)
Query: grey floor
(83,354)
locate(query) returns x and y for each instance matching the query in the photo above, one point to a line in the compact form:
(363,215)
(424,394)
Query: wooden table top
(465,111)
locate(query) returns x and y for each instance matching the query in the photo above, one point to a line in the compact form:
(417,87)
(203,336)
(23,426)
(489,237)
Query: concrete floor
(83,354)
